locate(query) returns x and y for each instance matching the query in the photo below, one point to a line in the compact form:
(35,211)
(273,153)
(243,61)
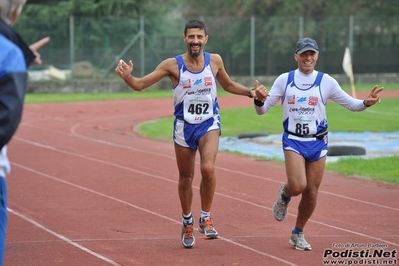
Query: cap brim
(307,49)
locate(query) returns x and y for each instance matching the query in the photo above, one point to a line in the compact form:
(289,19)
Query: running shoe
(187,235)
(206,228)
(299,242)
(280,207)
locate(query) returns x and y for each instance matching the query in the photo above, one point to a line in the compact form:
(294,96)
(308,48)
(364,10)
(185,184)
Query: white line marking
(168,180)
(311,220)
(173,158)
(73,131)
(63,238)
(131,205)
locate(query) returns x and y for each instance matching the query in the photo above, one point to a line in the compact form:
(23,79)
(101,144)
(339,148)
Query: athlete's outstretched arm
(260,93)
(165,68)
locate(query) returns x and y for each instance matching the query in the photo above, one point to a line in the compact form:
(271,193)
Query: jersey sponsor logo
(302,100)
(302,120)
(291,99)
(313,100)
(198,82)
(198,118)
(186,84)
(200,92)
(204,91)
(208,81)
(306,110)
(303,110)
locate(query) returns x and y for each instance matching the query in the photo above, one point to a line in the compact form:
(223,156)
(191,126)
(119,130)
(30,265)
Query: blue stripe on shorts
(312,149)
(188,135)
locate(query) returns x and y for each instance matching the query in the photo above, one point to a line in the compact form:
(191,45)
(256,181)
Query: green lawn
(150,93)
(380,118)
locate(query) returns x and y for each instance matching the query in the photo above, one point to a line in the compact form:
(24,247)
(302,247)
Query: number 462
(198,108)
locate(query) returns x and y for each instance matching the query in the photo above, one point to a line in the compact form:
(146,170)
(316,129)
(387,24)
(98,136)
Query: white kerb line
(69,241)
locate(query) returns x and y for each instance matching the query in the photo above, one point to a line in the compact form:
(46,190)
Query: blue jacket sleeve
(13,83)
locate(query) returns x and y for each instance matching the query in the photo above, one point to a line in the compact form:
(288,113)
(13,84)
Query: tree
(292,8)
(49,10)
(97,23)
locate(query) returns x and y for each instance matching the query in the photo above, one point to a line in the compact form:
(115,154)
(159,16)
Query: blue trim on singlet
(290,80)
(178,113)
(181,65)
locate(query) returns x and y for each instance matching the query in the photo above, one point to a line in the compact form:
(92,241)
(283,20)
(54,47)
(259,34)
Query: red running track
(87,190)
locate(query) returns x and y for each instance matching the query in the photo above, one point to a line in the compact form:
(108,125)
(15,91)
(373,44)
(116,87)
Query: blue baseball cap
(306,44)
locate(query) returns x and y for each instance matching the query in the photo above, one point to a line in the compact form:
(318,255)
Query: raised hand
(374,96)
(34,47)
(261,92)
(124,70)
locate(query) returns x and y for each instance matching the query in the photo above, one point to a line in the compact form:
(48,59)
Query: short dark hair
(194,24)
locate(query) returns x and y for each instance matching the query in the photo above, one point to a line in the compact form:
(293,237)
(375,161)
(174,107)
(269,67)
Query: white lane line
(314,221)
(320,191)
(73,131)
(136,207)
(63,238)
(217,167)
(168,180)
(360,201)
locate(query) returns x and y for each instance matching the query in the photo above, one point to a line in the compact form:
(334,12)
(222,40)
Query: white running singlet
(195,96)
(304,99)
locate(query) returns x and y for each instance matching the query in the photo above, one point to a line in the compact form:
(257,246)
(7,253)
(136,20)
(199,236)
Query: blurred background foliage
(101,29)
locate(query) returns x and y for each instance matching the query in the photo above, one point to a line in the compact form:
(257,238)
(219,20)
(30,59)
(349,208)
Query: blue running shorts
(187,135)
(312,149)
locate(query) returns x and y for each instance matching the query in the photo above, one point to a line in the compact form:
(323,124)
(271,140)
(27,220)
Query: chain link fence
(249,46)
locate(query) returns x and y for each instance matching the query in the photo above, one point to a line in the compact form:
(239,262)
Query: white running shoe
(280,207)
(299,242)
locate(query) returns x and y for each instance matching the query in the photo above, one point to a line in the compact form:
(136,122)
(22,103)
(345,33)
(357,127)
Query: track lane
(96,150)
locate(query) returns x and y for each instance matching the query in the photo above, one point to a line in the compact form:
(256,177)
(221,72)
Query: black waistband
(319,135)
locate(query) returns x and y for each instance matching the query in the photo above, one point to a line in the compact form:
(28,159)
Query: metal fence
(249,46)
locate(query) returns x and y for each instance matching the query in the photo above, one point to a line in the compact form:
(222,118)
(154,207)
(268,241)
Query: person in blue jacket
(15,57)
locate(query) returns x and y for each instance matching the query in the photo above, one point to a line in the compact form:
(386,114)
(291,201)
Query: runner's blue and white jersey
(304,99)
(195,95)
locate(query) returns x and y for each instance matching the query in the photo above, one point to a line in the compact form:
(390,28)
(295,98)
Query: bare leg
(303,178)
(208,148)
(296,174)
(185,159)
(308,201)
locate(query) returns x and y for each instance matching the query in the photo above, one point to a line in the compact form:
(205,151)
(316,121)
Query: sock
(205,214)
(285,199)
(297,230)
(188,219)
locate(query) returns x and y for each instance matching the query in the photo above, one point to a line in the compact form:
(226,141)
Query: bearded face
(195,49)
(195,40)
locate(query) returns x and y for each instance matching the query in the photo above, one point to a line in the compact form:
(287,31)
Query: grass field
(380,118)
(152,93)
(245,120)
